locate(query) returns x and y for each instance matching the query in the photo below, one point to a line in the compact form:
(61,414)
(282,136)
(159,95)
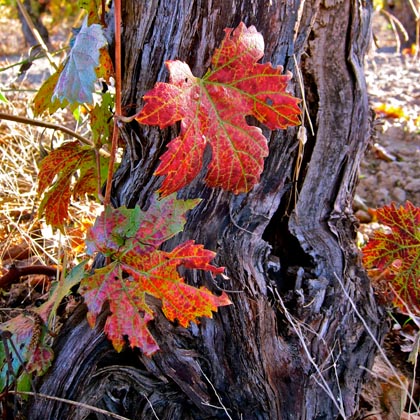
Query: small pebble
(413,185)
(398,195)
(363,216)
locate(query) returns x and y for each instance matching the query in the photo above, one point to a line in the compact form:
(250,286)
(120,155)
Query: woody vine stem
(118,113)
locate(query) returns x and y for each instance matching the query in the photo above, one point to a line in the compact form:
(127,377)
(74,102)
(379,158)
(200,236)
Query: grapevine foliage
(77,79)
(55,177)
(396,253)
(74,84)
(212,111)
(131,237)
(25,338)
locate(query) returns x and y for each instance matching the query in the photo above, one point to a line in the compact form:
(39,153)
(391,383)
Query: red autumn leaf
(56,202)
(63,160)
(55,179)
(212,111)
(132,237)
(396,253)
(87,183)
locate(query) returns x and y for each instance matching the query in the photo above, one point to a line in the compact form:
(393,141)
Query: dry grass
(25,239)
(19,151)
(22,148)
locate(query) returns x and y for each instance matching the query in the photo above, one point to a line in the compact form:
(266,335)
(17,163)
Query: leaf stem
(31,121)
(31,60)
(118,112)
(118,57)
(103,7)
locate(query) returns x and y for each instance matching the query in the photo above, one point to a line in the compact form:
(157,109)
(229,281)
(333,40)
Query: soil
(391,168)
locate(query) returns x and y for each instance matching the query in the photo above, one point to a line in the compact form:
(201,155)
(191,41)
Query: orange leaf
(390,111)
(55,179)
(43,99)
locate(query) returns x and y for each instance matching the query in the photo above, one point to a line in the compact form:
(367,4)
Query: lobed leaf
(397,253)
(55,178)
(77,79)
(115,230)
(157,275)
(212,111)
(111,230)
(55,203)
(132,238)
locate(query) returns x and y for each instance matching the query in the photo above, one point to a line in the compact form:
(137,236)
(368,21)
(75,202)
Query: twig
(14,273)
(322,381)
(151,406)
(103,8)
(222,406)
(76,403)
(415,350)
(302,91)
(30,60)
(394,21)
(374,339)
(31,121)
(98,175)
(416,12)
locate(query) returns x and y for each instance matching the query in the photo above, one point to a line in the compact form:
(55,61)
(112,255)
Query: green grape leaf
(101,121)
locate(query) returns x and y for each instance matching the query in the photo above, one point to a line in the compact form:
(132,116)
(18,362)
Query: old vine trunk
(291,346)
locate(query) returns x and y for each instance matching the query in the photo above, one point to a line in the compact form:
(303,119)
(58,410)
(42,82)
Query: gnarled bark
(288,245)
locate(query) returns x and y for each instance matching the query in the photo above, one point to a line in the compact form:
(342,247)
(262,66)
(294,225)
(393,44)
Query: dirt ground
(391,168)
